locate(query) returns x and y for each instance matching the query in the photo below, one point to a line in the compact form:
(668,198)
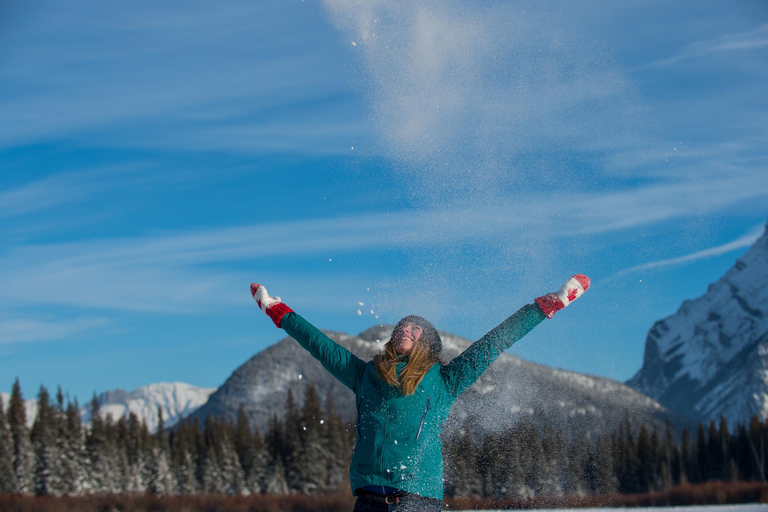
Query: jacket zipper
(423,417)
(383,445)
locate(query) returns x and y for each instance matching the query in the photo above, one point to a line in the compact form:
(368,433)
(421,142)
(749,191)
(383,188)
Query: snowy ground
(752,507)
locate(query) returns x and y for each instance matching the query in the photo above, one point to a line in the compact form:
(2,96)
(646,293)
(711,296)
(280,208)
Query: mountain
(711,357)
(511,390)
(176,399)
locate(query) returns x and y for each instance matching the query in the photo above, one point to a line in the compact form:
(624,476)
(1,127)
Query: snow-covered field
(751,507)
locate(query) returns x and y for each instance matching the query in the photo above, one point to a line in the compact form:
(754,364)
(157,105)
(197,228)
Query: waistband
(393,498)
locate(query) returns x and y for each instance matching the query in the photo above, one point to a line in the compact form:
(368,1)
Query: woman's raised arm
(465,369)
(340,362)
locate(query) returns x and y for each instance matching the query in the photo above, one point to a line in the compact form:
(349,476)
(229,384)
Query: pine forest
(307,451)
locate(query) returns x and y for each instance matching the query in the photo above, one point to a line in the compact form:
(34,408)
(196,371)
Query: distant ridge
(176,399)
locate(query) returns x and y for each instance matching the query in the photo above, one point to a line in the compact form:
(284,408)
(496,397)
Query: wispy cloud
(749,40)
(704,160)
(63,188)
(189,271)
(740,243)
(197,72)
(42,194)
(27,330)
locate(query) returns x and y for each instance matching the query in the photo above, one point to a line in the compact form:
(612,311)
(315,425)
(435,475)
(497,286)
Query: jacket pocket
(423,417)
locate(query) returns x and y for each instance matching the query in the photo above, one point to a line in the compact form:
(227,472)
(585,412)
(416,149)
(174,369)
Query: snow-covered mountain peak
(378,333)
(689,355)
(176,399)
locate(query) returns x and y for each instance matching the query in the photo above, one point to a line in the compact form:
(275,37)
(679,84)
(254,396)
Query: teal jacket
(398,437)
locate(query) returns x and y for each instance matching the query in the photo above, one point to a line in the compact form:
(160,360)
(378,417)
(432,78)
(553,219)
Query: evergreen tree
(260,465)
(160,480)
(756,441)
(715,455)
(59,399)
(617,441)
(130,439)
(275,437)
(686,465)
(184,455)
(23,454)
(292,444)
(210,473)
(605,481)
(339,449)
(451,477)
(243,438)
(461,467)
(645,467)
(251,452)
(562,467)
(572,463)
(488,463)
(44,431)
(669,461)
(702,464)
(626,460)
(8,482)
(275,481)
(657,461)
(61,445)
(725,450)
(229,464)
(533,460)
(104,474)
(127,477)
(313,455)
(74,466)
(505,473)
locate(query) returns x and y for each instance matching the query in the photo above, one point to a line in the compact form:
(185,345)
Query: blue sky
(448,159)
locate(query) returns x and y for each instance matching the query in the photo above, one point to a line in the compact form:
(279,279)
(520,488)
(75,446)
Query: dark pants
(407,503)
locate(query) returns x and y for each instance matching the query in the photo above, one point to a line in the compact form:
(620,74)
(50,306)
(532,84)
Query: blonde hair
(420,360)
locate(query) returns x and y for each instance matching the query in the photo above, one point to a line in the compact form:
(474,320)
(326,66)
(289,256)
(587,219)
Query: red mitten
(571,290)
(272,306)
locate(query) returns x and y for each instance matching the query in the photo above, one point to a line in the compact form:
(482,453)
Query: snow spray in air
(486,111)
(475,100)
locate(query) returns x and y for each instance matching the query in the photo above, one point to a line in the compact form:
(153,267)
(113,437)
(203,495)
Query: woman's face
(409,335)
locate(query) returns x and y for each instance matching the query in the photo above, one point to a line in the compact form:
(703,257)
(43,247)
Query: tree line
(526,462)
(307,451)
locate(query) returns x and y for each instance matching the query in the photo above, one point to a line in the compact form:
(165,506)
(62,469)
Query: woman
(404,395)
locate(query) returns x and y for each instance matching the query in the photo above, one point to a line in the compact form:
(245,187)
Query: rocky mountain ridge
(511,390)
(710,358)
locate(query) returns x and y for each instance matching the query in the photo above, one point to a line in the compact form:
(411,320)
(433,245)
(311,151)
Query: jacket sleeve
(343,364)
(465,369)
